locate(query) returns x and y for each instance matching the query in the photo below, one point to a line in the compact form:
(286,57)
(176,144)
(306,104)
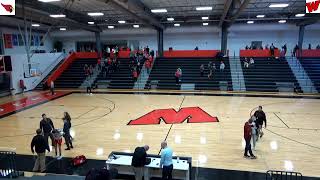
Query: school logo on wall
(7,7)
(312,6)
(171,116)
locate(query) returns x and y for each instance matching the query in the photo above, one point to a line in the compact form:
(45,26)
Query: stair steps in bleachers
(237,74)
(301,75)
(164,70)
(312,69)
(267,74)
(121,79)
(74,75)
(187,86)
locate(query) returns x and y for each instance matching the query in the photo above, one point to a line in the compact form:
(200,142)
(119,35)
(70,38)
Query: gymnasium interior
(117,77)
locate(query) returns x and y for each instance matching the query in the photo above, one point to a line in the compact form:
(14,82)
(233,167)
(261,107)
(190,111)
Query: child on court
(57,142)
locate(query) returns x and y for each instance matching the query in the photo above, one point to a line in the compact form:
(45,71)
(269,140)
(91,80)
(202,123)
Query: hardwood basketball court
(100,125)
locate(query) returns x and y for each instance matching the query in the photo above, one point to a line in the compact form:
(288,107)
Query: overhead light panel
(46,1)
(176,25)
(110,27)
(205,8)
(170,19)
(136,26)
(300,15)
(282,21)
(260,16)
(91,22)
(35,25)
(205,24)
(121,22)
(205,18)
(95,14)
(250,22)
(57,15)
(278,5)
(63,29)
(159,10)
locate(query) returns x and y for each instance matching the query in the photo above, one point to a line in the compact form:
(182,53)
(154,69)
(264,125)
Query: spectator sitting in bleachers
(222,66)
(86,69)
(272,50)
(178,75)
(267,46)
(318,47)
(245,63)
(201,70)
(251,62)
(247,47)
(211,69)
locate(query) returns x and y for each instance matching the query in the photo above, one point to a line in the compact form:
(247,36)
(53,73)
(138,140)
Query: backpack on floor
(79,160)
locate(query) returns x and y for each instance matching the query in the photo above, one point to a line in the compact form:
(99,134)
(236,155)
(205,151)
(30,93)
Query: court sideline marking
(165,139)
(281,120)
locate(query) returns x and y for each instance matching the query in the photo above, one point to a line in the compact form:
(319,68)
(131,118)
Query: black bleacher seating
(312,67)
(164,70)
(74,75)
(121,79)
(266,73)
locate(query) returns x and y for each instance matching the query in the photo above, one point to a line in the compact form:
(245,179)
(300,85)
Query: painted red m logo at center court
(171,116)
(312,6)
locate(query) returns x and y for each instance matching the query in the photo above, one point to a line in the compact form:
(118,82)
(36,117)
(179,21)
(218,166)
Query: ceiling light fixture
(91,22)
(159,10)
(278,5)
(136,26)
(260,16)
(46,1)
(205,18)
(95,14)
(122,22)
(170,19)
(110,27)
(250,22)
(176,25)
(300,15)
(57,15)
(205,8)
(205,24)
(35,25)
(63,29)
(282,21)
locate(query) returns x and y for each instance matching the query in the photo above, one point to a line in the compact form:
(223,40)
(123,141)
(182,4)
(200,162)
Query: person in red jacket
(247,137)
(135,74)
(148,66)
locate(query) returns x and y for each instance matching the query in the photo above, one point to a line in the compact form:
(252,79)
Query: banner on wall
(7,40)
(15,40)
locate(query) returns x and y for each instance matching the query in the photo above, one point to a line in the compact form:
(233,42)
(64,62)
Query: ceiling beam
(226,8)
(309,21)
(40,16)
(136,9)
(237,14)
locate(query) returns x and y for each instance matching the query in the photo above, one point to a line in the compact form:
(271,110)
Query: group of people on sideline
(139,160)
(253,131)
(40,142)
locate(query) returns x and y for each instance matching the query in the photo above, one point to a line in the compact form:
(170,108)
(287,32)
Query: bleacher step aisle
(301,75)
(237,74)
(91,79)
(143,77)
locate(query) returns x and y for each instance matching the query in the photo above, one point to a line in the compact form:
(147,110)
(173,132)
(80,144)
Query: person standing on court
(260,118)
(247,133)
(139,159)
(47,126)
(166,161)
(52,87)
(39,145)
(66,130)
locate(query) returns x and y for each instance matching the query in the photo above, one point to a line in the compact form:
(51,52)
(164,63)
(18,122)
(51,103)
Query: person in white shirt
(254,133)
(166,161)
(251,63)
(222,66)
(52,87)
(245,63)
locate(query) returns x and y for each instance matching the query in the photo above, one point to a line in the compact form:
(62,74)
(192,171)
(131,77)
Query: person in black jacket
(66,130)
(47,126)
(39,143)
(260,119)
(139,159)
